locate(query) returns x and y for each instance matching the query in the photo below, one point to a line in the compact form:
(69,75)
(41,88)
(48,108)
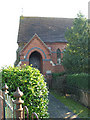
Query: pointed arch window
(58,56)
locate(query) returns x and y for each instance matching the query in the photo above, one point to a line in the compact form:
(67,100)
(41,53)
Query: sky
(11,10)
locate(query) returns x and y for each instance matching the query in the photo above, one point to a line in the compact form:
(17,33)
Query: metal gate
(7,105)
(10,108)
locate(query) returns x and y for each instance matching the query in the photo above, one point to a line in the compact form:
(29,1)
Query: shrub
(32,84)
(78,80)
(55,75)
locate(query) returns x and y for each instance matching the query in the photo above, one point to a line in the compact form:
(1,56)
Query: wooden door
(35,60)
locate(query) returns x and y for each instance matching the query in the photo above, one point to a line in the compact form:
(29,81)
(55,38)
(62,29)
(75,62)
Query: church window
(58,56)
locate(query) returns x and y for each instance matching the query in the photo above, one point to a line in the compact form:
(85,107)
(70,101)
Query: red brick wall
(47,66)
(54,47)
(37,45)
(35,42)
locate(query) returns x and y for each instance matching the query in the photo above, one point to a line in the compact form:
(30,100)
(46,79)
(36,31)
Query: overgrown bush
(32,84)
(78,81)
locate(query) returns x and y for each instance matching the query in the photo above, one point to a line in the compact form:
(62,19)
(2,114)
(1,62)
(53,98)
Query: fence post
(19,110)
(5,88)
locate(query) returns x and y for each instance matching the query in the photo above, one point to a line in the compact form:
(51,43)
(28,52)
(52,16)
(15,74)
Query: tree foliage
(75,57)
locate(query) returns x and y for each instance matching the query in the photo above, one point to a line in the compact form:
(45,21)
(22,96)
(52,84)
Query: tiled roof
(47,28)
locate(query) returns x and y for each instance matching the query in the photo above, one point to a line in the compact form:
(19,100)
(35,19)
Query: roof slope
(47,28)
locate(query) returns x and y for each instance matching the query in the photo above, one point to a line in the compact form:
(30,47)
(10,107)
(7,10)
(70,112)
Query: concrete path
(57,109)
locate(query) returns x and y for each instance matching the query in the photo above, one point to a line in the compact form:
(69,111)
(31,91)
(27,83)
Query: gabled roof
(47,28)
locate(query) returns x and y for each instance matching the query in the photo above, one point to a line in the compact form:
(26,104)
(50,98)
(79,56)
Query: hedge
(31,83)
(78,81)
(55,75)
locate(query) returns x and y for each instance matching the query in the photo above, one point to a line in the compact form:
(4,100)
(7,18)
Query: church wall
(54,47)
(49,59)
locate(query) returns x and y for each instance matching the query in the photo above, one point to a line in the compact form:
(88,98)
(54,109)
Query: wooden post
(19,110)
(5,88)
(1,105)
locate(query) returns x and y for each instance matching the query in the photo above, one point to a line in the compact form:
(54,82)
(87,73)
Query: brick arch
(35,49)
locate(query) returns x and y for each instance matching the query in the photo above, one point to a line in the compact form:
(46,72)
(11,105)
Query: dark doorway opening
(36,60)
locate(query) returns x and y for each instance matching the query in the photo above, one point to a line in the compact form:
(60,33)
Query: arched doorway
(36,60)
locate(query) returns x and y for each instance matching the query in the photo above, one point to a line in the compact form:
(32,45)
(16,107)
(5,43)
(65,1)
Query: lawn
(80,110)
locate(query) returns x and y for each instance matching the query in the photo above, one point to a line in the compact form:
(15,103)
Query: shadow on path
(57,109)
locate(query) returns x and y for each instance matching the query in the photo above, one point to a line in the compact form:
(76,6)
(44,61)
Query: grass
(80,110)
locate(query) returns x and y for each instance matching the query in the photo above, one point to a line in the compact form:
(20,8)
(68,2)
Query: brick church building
(41,42)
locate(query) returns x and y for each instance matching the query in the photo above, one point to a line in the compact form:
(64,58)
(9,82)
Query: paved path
(57,109)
